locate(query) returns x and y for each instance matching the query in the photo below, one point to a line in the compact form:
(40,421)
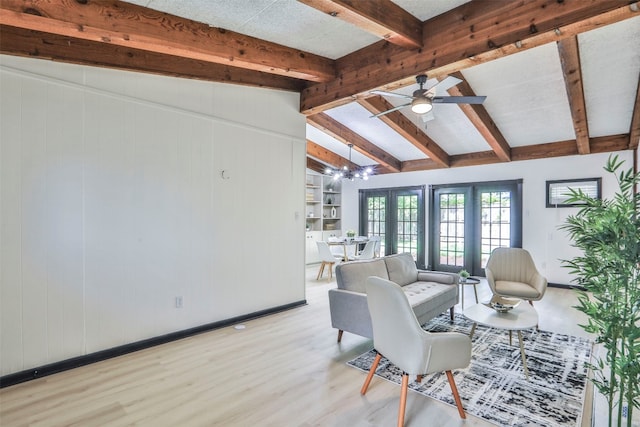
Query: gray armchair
(398,336)
(511,272)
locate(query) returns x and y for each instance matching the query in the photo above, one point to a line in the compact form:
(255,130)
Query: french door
(468,221)
(397,216)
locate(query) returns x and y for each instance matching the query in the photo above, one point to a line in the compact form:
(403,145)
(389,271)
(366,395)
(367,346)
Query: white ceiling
(526,95)
(288,22)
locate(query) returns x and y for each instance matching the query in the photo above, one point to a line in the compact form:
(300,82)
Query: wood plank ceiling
(127,36)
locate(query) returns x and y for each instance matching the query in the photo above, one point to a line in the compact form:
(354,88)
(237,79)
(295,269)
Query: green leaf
(607,232)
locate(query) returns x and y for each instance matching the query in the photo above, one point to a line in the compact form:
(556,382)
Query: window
(559,191)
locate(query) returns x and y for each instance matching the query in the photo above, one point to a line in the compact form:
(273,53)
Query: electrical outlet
(178,302)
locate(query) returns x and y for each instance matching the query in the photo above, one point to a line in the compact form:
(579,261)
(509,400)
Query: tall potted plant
(608,233)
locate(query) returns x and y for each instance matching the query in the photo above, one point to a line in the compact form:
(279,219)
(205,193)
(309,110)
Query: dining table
(346,242)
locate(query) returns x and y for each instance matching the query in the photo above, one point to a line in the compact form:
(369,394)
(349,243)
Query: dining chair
(376,249)
(398,336)
(327,258)
(368,251)
(336,250)
(511,272)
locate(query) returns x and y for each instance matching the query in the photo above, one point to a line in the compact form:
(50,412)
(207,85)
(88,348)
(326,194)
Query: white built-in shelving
(323,212)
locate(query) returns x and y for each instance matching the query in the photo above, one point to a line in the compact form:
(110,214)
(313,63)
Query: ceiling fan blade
(445,84)
(390,111)
(397,95)
(459,99)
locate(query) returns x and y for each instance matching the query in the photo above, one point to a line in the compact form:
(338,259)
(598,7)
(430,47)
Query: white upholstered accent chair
(327,258)
(367,251)
(511,272)
(398,336)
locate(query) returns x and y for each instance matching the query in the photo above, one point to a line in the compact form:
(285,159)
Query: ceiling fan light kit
(421,105)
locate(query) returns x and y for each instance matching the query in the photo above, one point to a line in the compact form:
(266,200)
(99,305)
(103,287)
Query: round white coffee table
(522,317)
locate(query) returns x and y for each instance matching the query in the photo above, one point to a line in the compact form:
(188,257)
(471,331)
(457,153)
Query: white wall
(112,204)
(541,236)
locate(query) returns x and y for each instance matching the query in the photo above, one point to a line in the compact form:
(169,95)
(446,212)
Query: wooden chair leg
(456,396)
(403,399)
(451,313)
(531,303)
(372,371)
(419,378)
(320,270)
(340,331)
(330,270)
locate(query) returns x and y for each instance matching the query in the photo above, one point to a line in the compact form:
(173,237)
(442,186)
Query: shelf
(319,191)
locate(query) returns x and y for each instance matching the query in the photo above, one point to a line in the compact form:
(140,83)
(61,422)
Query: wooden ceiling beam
(328,156)
(480,118)
(471,34)
(475,159)
(634,131)
(382,18)
(137,27)
(345,135)
(315,165)
(602,144)
(610,143)
(336,161)
(406,128)
(572,73)
(420,165)
(547,150)
(33,44)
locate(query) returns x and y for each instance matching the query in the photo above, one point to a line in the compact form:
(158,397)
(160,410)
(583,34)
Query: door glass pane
(495,218)
(452,229)
(407,214)
(376,206)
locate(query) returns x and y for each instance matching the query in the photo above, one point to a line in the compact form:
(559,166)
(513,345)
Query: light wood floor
(282,370)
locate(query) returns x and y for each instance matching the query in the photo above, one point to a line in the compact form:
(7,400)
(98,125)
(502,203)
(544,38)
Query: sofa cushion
(401,268)
(352,276)
(426,296)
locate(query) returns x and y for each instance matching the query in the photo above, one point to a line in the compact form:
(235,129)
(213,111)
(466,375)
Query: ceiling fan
(423,99)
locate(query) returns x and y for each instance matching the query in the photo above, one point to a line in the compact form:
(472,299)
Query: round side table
(469,281)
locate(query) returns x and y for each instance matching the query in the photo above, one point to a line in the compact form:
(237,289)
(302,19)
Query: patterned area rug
(494,387)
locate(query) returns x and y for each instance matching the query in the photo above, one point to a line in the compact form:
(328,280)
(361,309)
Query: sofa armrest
(438,277)
(350,312)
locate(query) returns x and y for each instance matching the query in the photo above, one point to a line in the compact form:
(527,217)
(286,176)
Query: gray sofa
(429,292)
